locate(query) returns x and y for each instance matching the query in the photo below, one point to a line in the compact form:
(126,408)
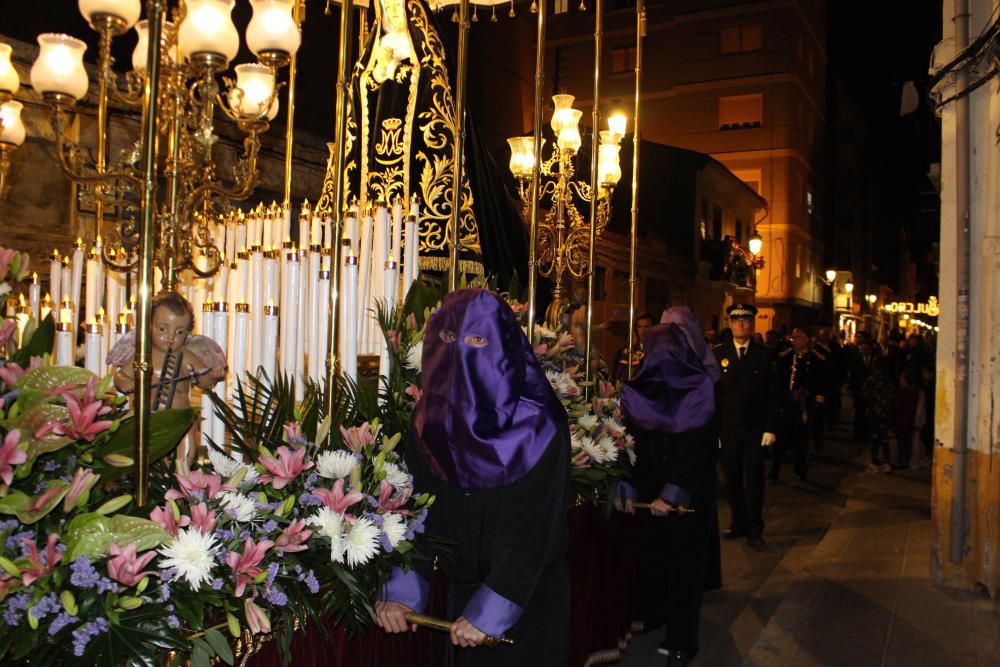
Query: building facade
(744,82)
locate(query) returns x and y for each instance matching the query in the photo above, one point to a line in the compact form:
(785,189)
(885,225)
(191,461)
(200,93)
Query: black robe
(679,553)
(512,538)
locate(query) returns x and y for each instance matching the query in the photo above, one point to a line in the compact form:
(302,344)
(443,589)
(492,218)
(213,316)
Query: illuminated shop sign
(931,308)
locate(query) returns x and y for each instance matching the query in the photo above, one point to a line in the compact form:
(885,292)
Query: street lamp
(756,243)
(831,275)
(848,287)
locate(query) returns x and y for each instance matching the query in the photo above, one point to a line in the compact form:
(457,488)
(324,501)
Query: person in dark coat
(801,381)
(620,370)
(490,439)
(748,416)
(670,408)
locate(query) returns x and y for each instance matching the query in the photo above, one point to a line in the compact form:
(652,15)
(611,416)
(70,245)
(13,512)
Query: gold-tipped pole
(104,64)
(640,30)
(595,186)
(441,625)
(459,160)
(337,209)
(155,10)
(536,171)
(299,15)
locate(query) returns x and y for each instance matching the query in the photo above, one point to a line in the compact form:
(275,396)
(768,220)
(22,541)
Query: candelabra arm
(66,154)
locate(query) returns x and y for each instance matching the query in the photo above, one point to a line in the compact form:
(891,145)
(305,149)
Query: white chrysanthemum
(192,554)
(544,332)
(395,475)
(337,464)
(414,357)
(589,447)
(607,445)
(361,542)
(330,524)
(239,506)
(562,383)
(394,528)
(227,467)
(588,421)
(631,455)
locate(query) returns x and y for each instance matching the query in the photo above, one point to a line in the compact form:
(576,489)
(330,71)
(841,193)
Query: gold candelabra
(563,235)
(195,48)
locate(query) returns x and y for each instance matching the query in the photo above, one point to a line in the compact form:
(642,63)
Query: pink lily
(357,437)
(7,584)
(606,389)
(244,565)
(336,499)
(256,617)
(6,257)
(83,414)
(83,481)
(388,502)
(293,537)
(393,337)
(581,460)
(414,392)
(293,433)
(197,484)
(285,467)
(164,518)
(39,565)
(202,519)
(10,456)
(7,330)
(10,373)
(125,567)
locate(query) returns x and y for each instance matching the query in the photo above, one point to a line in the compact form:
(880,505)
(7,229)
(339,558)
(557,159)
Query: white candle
(364,282)
(389,286)
(286,252)
(66,311)
(313,309)
(64,343)
(397,231)
(55,277)
(253,233)
(21,317)
(269,348)
(238,350)
(315,231)
(76,276)
(119,330)
(93,342)
(286,224)
(327,227)
(409,256)
(267,227)
(113,295)
(290,311)
(46,307)
(230,230)
(34,297)
(240,244)
(257,302)
(414,251)
(305,225)
(317,355)
(349,318)
(222,338)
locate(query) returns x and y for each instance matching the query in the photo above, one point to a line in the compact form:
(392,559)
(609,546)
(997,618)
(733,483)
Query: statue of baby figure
(178,359)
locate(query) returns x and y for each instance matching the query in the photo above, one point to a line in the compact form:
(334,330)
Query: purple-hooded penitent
(487,413)
(673,392)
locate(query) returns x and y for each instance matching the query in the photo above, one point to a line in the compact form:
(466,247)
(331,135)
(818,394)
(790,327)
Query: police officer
(620,371)
(747,408)
(801,379)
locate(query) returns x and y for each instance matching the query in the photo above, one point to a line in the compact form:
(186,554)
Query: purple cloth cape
(673,392)
(487,413)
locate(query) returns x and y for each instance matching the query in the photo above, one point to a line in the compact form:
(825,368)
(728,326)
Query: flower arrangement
(13,268)
(251,545)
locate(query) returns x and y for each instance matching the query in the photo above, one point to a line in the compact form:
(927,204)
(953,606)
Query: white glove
(767,440)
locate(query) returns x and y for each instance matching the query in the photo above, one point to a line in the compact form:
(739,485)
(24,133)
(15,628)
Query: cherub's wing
(123,351)
(208,351)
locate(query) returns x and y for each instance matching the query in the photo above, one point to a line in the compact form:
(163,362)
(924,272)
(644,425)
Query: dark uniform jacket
(746,395)
(802,380)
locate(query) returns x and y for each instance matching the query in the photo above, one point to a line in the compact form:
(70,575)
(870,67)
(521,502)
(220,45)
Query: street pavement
(844,580)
